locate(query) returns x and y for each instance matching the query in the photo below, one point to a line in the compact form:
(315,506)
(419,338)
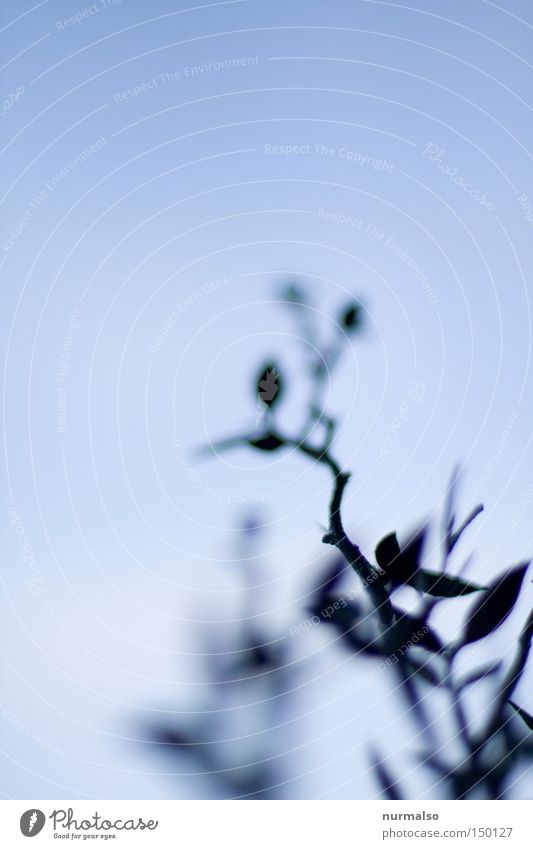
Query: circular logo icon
(32,822)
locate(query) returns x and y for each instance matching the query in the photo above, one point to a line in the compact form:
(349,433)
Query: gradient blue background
(134,565)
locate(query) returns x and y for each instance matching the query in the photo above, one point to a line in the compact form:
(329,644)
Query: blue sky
(163,172)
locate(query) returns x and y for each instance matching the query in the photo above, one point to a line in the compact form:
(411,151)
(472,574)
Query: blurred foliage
(417,655)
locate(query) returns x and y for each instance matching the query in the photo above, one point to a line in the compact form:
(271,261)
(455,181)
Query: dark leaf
(479,674)
(412,629)
(496,605)
(431,642)
(456,535)
(165,736)
(451,534)
(388,785)
(465,780)
(268,442)
(352,316)
(338,612)
(443,586)
(261,656)
(528,719)
(387,551)
(400,565)
(449,507)
(268,385)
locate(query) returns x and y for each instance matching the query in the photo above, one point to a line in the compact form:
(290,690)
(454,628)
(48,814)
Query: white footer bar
(267,825)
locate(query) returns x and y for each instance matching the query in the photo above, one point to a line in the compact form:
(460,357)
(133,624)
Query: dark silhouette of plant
(218,754)
(233,773)
(409,642)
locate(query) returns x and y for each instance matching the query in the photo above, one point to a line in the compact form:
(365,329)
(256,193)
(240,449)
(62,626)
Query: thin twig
(512,679)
